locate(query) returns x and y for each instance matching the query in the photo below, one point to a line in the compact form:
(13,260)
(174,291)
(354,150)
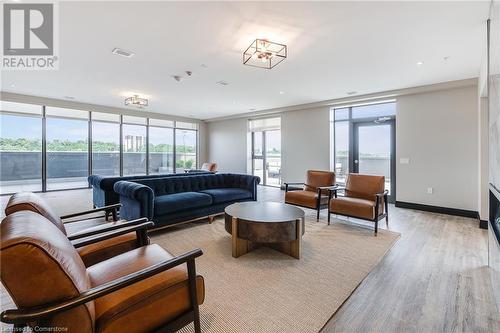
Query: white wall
(305,142)
(438,131)
(227,145)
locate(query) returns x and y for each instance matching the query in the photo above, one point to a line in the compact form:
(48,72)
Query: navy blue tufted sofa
(103,193)
(171,200)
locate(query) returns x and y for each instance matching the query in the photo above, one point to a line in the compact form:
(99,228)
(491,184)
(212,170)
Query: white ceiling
(333,48)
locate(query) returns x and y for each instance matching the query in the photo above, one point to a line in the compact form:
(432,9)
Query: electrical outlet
(430,190)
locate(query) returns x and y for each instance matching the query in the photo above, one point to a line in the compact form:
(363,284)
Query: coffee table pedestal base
(242,246)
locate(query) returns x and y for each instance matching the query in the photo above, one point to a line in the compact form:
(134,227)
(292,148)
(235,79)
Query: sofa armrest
(252,186)
(137,200)
(94,180)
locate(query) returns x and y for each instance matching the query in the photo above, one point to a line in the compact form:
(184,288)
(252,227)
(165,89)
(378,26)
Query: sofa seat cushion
(353,206)
(305,198)
(146,305)
(221,195)
(171,203)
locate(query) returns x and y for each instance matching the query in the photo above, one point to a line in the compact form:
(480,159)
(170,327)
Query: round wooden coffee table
(277,225)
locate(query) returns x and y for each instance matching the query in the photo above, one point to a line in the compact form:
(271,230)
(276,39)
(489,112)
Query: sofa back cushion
(196,183)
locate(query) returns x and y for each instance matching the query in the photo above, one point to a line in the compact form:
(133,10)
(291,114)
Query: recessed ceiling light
(282,92)
(352,92)
(420,63)
(12,85)
(222,83)
(122,52)
(203,66)
(446,58)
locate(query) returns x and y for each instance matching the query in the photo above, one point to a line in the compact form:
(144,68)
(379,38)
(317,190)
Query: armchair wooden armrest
(329,188)
(288,183)
(87,212)
(382,194)
(96,231)
(140,229)
(23,316)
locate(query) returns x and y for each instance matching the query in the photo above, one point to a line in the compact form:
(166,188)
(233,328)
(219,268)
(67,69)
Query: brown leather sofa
(314,193)
(78,230)
(143,290)
(364,198)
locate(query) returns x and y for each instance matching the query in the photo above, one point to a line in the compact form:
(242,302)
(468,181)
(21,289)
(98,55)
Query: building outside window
(20,147)
(79,143)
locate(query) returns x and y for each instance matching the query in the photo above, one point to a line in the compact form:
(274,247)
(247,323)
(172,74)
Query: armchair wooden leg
(115,214)
(193,295)
(317,214)
(211,218)
(376,227)
(329,213)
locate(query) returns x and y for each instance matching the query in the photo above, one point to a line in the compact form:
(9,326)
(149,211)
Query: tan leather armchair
(143,290)
(364,198)
(209,166)
(314,193)
(78,230)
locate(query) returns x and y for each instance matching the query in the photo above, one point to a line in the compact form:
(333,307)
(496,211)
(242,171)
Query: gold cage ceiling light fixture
(264,54)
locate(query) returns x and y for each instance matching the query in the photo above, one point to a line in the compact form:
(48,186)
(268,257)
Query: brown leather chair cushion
(39,265)
(31,201)
(304,198)
(97,252)
(143,306)
(364,186)
(353,207)
(316,178)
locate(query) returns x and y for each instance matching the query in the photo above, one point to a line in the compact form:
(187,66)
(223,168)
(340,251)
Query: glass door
(374,151)
(266,156)
(273,157)
(258,155)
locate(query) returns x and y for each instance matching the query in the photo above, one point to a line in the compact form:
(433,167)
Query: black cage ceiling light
(264,54)
(136,101)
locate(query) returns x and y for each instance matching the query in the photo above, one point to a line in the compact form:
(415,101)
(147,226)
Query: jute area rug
(267,291)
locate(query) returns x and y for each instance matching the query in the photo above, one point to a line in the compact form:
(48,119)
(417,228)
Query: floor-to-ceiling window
(45,148)
(161,146)
(364,141)
(20,147)
(105,144)
(67,148)
(134,146)
(186,137)
(266,150)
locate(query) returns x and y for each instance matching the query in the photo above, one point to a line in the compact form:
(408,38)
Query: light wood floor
(435,279)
